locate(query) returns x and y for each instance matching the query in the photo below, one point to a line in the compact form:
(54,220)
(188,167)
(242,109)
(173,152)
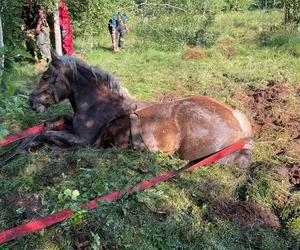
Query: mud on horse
(105,114)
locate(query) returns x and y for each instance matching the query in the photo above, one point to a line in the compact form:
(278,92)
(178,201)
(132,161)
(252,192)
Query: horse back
(194,127)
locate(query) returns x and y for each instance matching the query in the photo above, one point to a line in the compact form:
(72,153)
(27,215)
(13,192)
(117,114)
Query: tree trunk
(286,12)
(1,47)
(57,32)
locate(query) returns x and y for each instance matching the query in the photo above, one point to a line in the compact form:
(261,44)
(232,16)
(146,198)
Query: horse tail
(246,128)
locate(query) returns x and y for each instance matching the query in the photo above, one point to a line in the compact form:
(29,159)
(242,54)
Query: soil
(225,40)
(83,240)
(276,107)
(194,53)
(244,213)
(294,175)
(273,108)
(30,203)
(228,53)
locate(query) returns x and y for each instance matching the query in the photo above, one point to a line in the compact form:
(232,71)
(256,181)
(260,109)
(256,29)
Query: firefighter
(118,29)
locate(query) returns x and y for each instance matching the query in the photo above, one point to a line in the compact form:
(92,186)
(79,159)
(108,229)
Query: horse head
(83,84)
(53,86)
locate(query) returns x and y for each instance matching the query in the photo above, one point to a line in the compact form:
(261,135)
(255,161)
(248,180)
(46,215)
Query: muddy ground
(276,110)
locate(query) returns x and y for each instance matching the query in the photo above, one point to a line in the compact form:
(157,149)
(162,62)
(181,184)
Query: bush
(92,16)
(287,39)
(238,4)
(177,24)
(10,12)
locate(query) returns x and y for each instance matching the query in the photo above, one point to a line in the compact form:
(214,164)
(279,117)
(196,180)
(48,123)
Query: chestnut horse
(105,114)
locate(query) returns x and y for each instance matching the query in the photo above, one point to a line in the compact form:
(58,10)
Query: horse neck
(85,94)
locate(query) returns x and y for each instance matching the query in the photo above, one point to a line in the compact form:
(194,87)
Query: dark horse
(106,115)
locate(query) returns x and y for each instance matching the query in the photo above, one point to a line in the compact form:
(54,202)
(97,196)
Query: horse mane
(101,76)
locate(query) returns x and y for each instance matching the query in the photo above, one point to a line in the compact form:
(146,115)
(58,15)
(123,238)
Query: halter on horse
(105,115)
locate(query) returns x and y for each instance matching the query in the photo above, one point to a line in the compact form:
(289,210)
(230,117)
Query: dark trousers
(120,35)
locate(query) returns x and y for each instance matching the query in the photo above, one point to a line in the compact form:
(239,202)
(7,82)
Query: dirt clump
(27,205)
(294,175)
(83,240)
(194,53)
(225,40)
(228,53)
(244,213)
(275,106)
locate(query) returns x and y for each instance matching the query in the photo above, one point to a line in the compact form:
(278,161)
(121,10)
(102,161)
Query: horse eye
(45,77)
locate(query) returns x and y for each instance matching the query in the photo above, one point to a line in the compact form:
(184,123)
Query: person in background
(66,28)
(42,31)
(29,17)
(118,29)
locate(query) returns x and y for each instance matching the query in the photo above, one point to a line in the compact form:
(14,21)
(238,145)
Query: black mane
(94,72)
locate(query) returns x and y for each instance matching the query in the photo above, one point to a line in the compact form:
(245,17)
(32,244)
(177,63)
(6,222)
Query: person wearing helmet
(118,29)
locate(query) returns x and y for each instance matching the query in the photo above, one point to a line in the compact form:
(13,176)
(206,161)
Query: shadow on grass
(104,48)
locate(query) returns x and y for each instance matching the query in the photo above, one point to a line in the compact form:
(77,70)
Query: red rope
(36,130)
(52,219)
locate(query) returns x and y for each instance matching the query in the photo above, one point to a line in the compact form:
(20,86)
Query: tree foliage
(10,11)
(91,16)
(173,22)
(238,4)
(291,11)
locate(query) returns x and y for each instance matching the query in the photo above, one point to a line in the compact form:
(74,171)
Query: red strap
(36,225)
(36,130)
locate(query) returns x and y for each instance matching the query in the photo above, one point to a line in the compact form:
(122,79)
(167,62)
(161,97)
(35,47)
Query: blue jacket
(114,21)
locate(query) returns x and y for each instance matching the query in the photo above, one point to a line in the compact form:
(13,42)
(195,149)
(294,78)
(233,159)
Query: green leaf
(66,206)
(77,219)
(75,194)
(100,187)
(60,197)
(20,210)
(74,207)
(10,89)
(68,192)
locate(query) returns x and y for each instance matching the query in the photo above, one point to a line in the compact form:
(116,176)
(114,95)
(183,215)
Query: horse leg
(62,122)
(60,138)
(55,140)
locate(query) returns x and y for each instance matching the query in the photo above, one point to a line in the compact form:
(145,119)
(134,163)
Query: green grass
(173,214)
